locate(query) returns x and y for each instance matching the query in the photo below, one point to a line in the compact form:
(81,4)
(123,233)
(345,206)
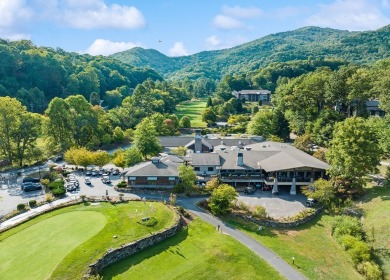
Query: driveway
(277,206)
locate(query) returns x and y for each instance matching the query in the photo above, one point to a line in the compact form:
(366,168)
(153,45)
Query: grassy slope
(193,110)
(316,253)
(44,245)
(122,221)
(376,205)
(199,252)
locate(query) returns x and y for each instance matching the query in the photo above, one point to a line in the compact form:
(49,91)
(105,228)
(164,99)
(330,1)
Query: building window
(132,178)
(210,169)
(197,168)
(152,178)
(172,178)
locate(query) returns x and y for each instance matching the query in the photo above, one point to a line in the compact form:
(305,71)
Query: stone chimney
(240,159)
(198,141)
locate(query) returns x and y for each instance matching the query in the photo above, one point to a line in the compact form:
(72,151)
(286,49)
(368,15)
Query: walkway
(274,260)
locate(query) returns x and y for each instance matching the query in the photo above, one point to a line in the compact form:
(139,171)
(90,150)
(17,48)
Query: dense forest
(35,75)
(301,44)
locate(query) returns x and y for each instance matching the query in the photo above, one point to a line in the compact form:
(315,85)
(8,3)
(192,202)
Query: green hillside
(300,44)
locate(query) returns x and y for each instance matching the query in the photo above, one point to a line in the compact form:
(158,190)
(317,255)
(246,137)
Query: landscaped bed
(61,244)
(199,252)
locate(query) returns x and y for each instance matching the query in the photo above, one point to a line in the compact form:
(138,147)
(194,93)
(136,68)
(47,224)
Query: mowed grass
(193,110)
(34,252)
(198,252)
(376,223)
(74,237)
(317,255)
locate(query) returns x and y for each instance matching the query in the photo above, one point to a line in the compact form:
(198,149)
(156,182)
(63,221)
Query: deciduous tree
(221,199)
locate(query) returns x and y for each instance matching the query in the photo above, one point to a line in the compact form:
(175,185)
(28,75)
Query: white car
(87,180)
(106,179)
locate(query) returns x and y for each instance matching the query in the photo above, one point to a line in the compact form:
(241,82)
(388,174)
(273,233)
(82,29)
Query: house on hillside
(252,95)
(372,107)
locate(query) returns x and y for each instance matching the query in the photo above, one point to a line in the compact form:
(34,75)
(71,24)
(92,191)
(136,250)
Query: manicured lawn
(376,205)
(62,244)
(316,253)
(193,110)
(199,252)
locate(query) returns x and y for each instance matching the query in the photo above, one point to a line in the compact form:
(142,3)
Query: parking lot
(277,206)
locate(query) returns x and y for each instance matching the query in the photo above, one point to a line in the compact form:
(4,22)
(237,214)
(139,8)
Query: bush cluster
(257,212)
(122,184)
(21,207)
(32,203)
(57,188)
(349,234)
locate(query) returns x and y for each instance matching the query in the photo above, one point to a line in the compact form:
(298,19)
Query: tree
(180,151)
(280,125)
(185,122)
(209,116)
(94,98)
(100,158)
(212,184)
(118,135)
(187,177)
(209,102)
(221,199)
(119,158)
(323,191)
(79,156)
(353,152)
(261,124)
(132,156)
(145,138)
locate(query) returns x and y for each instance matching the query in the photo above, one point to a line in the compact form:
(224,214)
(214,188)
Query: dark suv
(249,190)
(29,186)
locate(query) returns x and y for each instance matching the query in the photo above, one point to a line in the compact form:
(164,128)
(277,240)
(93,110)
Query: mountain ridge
(300,44)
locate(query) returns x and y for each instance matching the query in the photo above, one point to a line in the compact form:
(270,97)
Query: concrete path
(385,163)
(270,257)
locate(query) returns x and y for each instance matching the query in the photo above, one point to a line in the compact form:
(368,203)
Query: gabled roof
(175,141)
(204,142)
(285,157)
(208,159)
(167,166)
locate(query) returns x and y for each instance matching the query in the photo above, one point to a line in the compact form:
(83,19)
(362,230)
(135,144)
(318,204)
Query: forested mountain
(301,44)
(35,75)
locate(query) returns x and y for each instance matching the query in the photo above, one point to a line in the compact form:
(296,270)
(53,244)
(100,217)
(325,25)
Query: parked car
(106,179)
(94,173)
(115,171)
(249,190)
(267,188)
(88,173)
(310,202)
(58,158)
(87,180)
(29,186)
(71,187)
(30,180)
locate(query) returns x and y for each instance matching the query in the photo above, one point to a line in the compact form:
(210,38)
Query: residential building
(252,95)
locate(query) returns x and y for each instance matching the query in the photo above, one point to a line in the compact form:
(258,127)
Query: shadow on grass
(167,245)
(374,192)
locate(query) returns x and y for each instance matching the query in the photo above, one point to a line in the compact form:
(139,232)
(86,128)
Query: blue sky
(176,27)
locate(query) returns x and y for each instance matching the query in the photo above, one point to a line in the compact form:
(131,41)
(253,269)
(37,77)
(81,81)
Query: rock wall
(277,224)
(114,255)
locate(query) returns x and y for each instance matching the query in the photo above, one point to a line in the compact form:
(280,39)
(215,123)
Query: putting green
(56,237)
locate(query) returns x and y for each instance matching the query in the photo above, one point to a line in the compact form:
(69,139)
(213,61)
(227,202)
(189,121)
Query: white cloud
(12,14)
(178,49)
(241,12)
(226,22)
(350,15)
(214,43)
(107,47)
(103,16)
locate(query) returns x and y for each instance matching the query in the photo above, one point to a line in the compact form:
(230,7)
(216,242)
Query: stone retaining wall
(277,224)
(114,255)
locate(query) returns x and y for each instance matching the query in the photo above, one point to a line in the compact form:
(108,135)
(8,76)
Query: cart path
(270,257)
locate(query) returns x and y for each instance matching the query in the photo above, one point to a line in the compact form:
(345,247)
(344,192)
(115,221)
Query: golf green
(56,236)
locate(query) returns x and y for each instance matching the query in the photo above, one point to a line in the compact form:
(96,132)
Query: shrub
(259,212)
(21,207)
(242,206)
(48,197)
(45,182)
(150,222)
(55,185)
(347,225)
(58,192)
(122,184)
(370,269)
(360,252)
(32,203)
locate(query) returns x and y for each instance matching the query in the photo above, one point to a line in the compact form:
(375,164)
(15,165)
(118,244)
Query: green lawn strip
(317,255)
(35,251)
(123,222)
(199,252)
(376,223)
(193,110)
